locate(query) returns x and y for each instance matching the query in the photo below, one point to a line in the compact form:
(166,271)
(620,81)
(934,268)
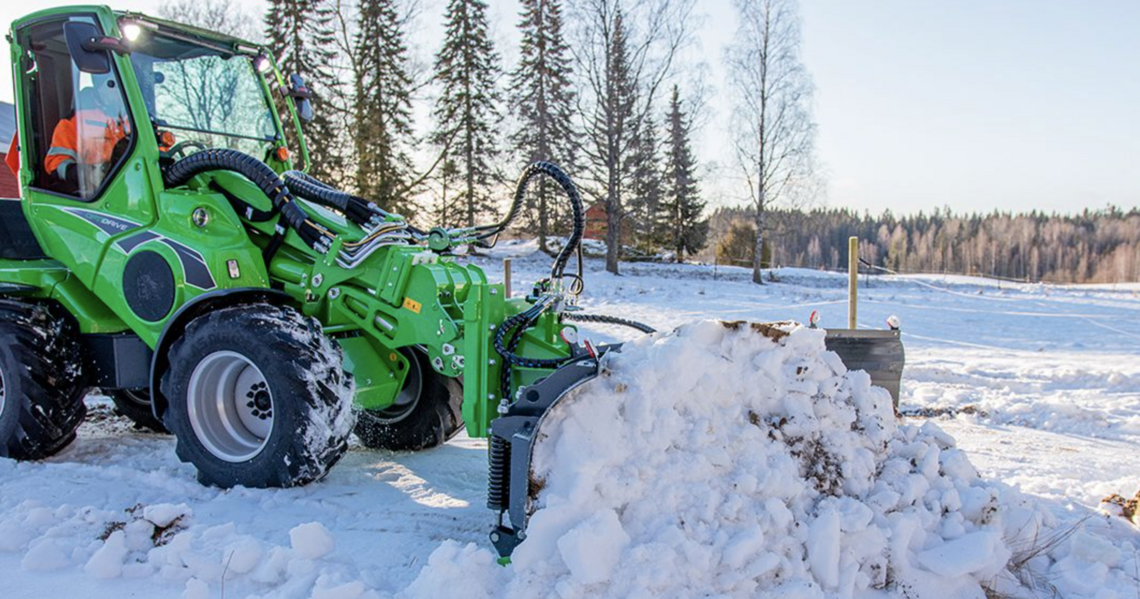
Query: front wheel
(426,413)
(258,397)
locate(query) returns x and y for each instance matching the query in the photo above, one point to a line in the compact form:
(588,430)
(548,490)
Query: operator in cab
(86,145)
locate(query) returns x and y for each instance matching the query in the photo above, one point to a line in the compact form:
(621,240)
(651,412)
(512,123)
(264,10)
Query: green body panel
(379,371)
(400,296)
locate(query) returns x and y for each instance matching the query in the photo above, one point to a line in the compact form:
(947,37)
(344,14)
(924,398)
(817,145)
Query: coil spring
(499,478)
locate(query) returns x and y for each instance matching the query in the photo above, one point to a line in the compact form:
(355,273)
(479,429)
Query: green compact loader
(166,251)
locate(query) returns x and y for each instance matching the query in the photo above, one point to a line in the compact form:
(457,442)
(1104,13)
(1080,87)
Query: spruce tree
(686,232)
(383,106)
(466,112)
(301,34)
(543,98)
(647,185)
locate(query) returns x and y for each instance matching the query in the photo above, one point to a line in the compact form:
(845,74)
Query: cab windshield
(204,96)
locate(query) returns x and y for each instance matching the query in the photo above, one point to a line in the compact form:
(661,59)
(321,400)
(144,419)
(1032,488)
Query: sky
(974,105)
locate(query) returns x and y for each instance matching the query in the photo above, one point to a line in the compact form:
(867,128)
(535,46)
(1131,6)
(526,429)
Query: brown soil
(943,412)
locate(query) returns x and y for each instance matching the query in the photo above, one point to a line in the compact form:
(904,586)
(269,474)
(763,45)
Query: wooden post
(852,281)
(507,277)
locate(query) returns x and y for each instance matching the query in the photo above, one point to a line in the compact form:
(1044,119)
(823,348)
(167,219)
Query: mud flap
(510,485)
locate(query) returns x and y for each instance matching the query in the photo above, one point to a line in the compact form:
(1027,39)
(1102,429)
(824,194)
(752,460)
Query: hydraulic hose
(603,319)
(578,213)
(522,321)
(355,208)
(265,178)
(573,244)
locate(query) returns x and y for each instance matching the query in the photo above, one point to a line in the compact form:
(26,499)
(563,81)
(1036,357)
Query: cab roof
(106,11)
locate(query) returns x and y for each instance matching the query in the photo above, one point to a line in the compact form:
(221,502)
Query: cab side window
(81,130)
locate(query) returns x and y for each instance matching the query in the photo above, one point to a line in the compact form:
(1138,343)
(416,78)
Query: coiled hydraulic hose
(519,323)
(355,208)
(265,178)
(578,213)
(603,319)
(483,233)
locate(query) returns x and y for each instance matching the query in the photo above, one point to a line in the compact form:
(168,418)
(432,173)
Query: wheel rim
(408,398)
(2,391)
(230,406)
(138,397)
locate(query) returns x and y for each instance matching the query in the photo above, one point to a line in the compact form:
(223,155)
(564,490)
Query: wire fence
(865,268)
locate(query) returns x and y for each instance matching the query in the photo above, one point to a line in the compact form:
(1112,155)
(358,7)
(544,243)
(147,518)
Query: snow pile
(742,461)
(162,543)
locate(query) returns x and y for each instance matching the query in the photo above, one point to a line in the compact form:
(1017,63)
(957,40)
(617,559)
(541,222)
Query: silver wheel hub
(3,391)
(230,406)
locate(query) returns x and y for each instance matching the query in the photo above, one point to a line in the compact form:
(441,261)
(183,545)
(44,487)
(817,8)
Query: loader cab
(79,129)
(105,101)
(168,91)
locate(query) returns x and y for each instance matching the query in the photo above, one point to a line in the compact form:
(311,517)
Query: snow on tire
(41,381)
(258,397)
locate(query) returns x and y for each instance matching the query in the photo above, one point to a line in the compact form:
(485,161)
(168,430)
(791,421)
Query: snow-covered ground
(1044,382)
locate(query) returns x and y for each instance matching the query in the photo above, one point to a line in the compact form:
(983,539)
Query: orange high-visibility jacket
(88,137)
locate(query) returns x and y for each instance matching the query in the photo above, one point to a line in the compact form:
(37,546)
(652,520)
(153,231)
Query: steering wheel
(182,146)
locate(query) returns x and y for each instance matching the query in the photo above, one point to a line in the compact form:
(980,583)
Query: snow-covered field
(1043,384)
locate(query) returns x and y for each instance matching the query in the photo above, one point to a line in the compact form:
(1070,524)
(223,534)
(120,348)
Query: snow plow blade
(512,484)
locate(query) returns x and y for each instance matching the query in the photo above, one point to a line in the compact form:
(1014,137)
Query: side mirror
(301,96)
(89,49)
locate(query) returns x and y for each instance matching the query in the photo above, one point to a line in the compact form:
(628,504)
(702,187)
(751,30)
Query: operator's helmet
(88,98)
(102,94)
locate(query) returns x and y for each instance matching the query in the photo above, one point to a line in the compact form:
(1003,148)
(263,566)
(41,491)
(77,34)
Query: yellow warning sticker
(412,305)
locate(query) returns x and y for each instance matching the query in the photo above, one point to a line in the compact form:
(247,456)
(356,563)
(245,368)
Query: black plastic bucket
(879,353)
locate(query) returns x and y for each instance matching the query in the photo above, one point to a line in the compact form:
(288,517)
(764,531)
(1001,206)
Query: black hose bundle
(603,319)
(573,244)
(265,178)
(355,208)
(517,325)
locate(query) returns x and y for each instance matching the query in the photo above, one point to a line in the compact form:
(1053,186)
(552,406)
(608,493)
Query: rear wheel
(426,413)
(257,397)
(135,405)
(41,381)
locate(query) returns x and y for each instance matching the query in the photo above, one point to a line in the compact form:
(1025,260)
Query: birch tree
(772,123)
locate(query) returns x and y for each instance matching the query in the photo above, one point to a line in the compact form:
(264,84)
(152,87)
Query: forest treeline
(598,86)
(1095,246)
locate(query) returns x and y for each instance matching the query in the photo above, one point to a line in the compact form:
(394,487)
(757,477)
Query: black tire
(42,381)
(435,416)
(135,405)
(309,396)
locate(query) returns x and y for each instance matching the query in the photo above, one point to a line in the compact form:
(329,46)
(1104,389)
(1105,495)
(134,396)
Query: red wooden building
(9,185)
